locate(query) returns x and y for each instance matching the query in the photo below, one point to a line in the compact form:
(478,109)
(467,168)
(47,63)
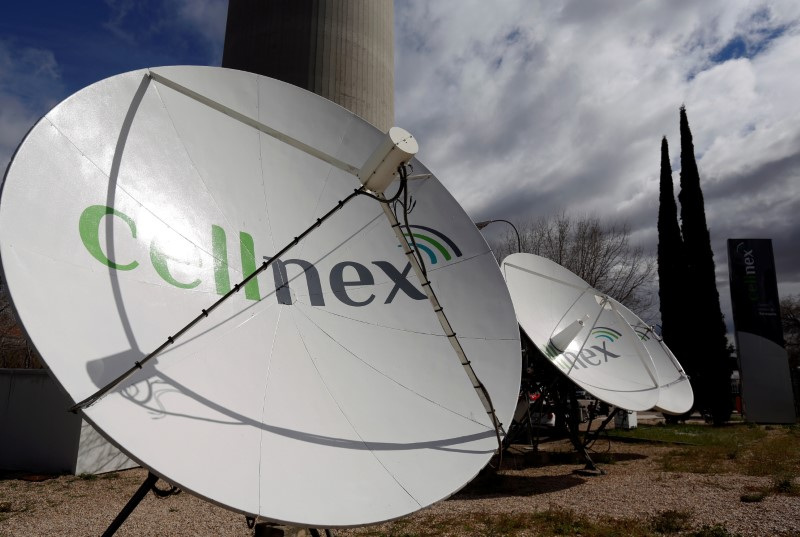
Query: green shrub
(670,521)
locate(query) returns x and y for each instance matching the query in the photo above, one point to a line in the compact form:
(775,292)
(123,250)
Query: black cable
(542,395)
(163,493)
(602,429)
(403,186)
(404,174)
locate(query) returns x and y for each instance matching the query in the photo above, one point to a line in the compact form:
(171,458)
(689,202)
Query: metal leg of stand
(137,497)
(589,439)
(568,406)
(573,424)
(530,421)
(581,449)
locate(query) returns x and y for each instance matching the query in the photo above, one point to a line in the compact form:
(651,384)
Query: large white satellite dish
(578,329)
(324,393)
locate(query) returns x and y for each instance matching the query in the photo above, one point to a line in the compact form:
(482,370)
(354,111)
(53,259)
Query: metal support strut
(148,485)
(480,389)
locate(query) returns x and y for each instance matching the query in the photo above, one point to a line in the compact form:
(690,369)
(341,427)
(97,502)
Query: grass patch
(784,483)
(87,477)
(671,521)
(767,451)
(550,523)
(700,460)
(743,448)
(694,434)
(776,454)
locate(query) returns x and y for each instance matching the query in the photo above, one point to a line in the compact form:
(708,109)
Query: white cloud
(207,17)
(525,108)
(171,21)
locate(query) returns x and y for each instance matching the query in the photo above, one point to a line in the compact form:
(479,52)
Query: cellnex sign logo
(428,240)
(591,355)
(750,277)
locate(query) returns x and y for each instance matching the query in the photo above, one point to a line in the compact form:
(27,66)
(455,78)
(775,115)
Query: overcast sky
(522,108)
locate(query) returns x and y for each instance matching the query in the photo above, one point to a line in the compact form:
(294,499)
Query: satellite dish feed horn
(562,340)
(395,150)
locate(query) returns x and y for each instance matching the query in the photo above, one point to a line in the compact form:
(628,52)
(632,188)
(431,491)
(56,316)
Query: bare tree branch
(600,254)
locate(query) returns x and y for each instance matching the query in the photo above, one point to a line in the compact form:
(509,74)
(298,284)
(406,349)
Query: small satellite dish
(325,392)
(579,330)
(675,391)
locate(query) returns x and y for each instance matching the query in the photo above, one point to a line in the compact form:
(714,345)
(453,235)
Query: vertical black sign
(754,288)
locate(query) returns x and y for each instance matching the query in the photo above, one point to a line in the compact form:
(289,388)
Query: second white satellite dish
(675,391)
(577,328)
(323,393)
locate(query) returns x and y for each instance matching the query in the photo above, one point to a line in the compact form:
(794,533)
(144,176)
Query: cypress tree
(671,265)
(705,328)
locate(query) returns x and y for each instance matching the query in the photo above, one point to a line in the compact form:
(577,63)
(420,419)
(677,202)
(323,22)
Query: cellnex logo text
(342,275)
(750,274)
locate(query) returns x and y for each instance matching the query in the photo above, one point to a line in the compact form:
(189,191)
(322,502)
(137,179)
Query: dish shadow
(146,394)
(493,485)
(517,460)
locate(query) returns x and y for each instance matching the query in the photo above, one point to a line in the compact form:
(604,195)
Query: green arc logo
(433,243)
(608,334)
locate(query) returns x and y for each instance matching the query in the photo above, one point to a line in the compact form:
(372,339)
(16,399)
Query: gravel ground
(634,487)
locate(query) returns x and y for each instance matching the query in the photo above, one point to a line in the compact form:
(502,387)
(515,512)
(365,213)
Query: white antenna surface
(675,391)
(324,392)
(580,331)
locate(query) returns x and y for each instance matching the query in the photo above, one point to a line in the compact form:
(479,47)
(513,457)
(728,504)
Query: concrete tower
(342,50)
